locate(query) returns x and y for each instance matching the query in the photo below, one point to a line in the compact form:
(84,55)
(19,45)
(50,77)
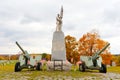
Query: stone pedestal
(58,46)
(66,66)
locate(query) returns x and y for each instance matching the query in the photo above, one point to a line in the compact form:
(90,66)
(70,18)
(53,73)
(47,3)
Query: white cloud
(32,22)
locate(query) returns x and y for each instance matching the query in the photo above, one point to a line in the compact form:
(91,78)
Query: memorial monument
(58,60)
(58,42)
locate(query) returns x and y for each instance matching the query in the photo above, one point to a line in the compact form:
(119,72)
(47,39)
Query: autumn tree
(48,57)
(117,60)
(44,55)
(2,58)
(90,43)
(14,57)
(107,58)
(114,58)
(71,49)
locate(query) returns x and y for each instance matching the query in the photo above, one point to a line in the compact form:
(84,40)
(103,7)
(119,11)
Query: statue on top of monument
(59,20)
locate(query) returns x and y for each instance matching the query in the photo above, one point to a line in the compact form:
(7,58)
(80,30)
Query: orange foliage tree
(114,58)
(71,49)
(107,58)
(48,57)
(2,58)
(90,43)
(14,57)
(117,60)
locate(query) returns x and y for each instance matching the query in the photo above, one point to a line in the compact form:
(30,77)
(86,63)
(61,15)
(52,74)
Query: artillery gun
(93,62)
(27,61)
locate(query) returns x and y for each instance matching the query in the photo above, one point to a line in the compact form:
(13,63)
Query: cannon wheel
(17,67)
(38,67)
(103,68)
(82,67)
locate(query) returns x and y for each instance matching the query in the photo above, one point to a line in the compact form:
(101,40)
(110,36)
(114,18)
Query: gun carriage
(27,61)
(93,62)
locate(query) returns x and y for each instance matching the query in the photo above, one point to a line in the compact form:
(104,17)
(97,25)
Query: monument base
(58,46)
(66,66)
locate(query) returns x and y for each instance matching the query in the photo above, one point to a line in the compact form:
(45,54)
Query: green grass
(7,67)
(7,72)
(115,69)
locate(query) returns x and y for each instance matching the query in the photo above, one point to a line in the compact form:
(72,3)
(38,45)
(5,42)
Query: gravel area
(111,76)
(26,76)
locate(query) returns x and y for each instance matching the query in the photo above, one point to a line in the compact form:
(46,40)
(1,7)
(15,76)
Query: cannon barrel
(96,55)
(20,47)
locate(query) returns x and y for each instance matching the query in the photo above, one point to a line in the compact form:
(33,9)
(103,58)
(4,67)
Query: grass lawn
(115,69)
(7,73)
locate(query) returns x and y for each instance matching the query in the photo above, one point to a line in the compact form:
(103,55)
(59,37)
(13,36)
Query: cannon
(93,62)
(27,61)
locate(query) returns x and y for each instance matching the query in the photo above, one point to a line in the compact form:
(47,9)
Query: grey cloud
(112,13)
(34,20)
(69,26)
(112,16)
(29,19)
(30,10)
(14,35)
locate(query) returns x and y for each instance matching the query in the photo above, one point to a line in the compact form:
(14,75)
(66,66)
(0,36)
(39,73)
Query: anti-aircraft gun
(93,62)
(27,61)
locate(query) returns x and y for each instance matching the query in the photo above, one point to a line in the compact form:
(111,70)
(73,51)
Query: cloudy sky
(32,22)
